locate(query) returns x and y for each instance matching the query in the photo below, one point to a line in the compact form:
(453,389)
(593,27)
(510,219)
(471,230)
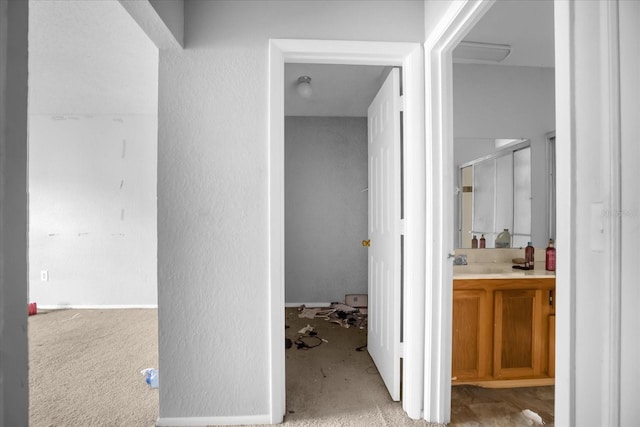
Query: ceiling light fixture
(480,52)
(304,86)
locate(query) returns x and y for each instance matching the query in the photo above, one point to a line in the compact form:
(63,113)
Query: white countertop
(493,270)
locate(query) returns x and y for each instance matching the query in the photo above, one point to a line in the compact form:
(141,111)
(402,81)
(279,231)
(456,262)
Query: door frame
(455,24)
(408,56)
(457,21)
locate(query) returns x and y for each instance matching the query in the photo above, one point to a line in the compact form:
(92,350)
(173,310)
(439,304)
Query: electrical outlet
(44,275)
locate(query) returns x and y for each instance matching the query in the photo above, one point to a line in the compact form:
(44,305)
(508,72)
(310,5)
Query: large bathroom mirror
(502,119)
(494,191)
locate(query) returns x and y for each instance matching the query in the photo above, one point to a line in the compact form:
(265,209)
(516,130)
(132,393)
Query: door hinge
(401,102)
(401,350)
(401,226)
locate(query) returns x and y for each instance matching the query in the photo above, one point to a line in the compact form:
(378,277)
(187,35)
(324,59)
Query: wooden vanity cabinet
(503,329)
(472,334)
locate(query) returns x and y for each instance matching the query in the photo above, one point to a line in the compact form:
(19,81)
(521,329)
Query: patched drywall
(92,157)
(213,193)
(92,210)
(492,101)
(325,208)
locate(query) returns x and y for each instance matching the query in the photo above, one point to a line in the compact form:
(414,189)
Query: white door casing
(408,56)
(384,232)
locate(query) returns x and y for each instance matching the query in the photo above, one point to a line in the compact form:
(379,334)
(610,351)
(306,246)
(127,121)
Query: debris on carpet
(341,314)
(533,417)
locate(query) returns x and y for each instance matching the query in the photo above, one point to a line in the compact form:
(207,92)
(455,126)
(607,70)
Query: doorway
(440,95)
(408,56)
(331,162)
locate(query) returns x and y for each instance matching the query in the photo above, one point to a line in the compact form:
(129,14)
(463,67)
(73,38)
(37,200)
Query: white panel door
(384,232)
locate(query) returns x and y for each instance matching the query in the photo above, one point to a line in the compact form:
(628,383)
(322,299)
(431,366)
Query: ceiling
(338,90)
(341,90)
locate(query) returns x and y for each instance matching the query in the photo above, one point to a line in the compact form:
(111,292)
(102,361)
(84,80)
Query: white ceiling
(338,90)
(525,25)
(71,41)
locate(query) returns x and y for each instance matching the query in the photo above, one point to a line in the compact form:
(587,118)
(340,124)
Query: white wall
(325,208)
(14,395)
(507,102)
(600,214)
(92,156)
(212,193)
(630,213)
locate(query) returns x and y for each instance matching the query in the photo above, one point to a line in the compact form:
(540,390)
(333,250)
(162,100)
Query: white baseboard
(307,304)
(213,421)
(92,306)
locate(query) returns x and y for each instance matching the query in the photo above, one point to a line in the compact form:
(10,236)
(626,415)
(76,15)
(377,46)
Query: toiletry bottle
(529,255)
(483,242)
(504,239)
(550,258)
(474,242)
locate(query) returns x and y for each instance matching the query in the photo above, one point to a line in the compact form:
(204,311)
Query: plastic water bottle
(504,239)
(152,377)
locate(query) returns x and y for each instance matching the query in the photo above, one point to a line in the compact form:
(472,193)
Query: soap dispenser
(483,242)
(474,242)
(529,255)
(550,257)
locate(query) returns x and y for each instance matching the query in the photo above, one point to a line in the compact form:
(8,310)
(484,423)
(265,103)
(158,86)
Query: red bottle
(529,255)
(550,259)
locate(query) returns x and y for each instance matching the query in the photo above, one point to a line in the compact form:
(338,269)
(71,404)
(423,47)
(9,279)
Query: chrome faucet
(460,260)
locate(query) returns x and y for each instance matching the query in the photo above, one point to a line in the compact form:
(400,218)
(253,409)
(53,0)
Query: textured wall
(93,81)
(212,191)
(325,208)
(508,102)
(14,396)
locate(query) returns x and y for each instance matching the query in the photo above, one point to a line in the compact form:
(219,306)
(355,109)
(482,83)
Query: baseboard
(93,306)
(307,304)
(213,421)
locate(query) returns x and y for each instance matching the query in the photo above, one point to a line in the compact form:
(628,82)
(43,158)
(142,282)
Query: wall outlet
(44,276)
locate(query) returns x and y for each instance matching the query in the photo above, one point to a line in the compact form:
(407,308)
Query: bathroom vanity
(503,325)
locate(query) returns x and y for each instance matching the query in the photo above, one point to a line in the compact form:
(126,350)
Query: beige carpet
(85,371)
(84,368)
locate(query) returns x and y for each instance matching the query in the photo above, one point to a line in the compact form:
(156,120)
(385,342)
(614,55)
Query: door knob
(366,243)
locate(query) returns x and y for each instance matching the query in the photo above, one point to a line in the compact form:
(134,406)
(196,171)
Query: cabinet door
(519,338)
(471,345)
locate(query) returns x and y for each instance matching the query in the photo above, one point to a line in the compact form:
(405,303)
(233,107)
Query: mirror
(492,102)
(494,190)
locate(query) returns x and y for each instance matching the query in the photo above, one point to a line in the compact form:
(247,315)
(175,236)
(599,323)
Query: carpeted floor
(85,371)
(84,368)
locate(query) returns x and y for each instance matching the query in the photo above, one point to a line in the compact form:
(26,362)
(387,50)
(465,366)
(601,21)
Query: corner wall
(14,395)
(213,213)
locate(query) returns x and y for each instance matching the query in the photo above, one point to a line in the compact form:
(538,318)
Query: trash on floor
(306,329)
(32,308)
(152,377)
(532,416)
(305,342)
(287,343)
(338,313)
(356,300)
